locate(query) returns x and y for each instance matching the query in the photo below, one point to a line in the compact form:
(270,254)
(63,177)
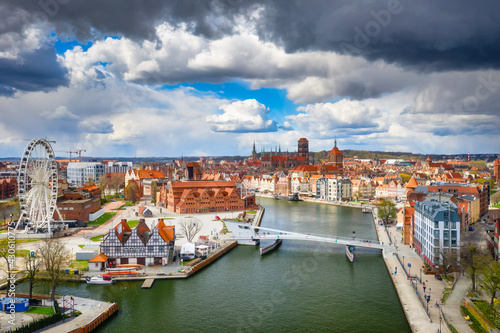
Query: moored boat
(291,197)
(270,247)
(103,279)
(349,251)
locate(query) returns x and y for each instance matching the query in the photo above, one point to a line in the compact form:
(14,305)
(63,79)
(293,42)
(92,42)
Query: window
(446,234)
(436,234)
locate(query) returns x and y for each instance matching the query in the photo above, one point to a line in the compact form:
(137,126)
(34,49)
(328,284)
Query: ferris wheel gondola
(37,187)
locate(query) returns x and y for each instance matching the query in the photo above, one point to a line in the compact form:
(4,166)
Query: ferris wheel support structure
(37,187)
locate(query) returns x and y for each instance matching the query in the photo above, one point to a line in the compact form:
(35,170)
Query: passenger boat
(103,279)
(366,210)
(270,247)
(125,267)
(349,251)
(291,197)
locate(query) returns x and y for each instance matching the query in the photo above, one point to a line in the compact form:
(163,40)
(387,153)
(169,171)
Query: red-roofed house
(141,245)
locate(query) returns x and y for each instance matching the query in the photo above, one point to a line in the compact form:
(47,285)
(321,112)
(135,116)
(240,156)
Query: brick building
(8,188)
(78,205)
(204,196)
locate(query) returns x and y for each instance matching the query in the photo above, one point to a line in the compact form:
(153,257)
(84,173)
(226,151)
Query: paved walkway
(451,308)
(90,310)
(412,306)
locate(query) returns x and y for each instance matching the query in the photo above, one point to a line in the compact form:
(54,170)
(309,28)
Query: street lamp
(420,275)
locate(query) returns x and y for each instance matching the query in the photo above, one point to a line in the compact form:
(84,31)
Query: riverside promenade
(408,292)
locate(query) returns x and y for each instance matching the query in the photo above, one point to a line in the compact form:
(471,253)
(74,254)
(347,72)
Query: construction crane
(78,151)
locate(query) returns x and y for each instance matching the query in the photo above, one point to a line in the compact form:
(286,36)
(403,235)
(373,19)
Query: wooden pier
(147,283)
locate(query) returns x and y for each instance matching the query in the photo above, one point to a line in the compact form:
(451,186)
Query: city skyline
(209,79)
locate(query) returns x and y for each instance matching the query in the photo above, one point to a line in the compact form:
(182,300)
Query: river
(301,287)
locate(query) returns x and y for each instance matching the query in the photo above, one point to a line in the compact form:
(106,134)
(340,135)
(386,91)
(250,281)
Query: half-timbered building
(141,245)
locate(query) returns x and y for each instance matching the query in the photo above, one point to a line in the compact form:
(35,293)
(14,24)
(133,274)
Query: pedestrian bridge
(246,233)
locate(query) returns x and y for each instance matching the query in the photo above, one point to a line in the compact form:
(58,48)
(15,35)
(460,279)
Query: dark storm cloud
(426,35)
(34,71)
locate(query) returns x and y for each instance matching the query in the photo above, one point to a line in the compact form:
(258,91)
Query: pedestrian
(424,289)
(437,305)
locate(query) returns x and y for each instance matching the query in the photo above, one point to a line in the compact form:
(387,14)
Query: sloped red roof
(99,258)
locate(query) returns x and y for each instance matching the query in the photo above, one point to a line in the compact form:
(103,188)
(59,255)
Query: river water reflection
(301,287)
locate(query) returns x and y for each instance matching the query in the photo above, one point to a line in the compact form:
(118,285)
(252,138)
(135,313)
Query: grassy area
(40,310)
(28,240)
(130,204)
(453,329)
(97,238)
(251,212)
(104,218)
(446,293)
(133,223)
(81,246)
(490,313)
(22,253)
(476,327)
(80,264)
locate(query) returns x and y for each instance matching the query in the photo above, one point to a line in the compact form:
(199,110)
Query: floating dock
(147,283)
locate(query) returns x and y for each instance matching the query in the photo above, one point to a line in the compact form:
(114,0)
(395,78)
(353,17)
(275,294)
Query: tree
(447,258)
(31,266)
(405,177)
(490,281)
(473,260)
(54,257)
(190,227)
(4,212)
(495,198)
(103,184)
(154,191)
(116,180)
(387,210)
(132,191)
(8,252)
(478,164)
(90,181)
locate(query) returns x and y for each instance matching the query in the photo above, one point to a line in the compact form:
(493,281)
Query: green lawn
(446,293)
(81,246)
(251,212)
(476,327)
(40,310)
(133,223)
(97,238)
(23,240)
(80,264)
(104,218)
(22,253)
(490,313)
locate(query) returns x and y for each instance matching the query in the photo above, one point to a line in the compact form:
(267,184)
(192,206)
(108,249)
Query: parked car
(471,228)
(438,276)
(179,235)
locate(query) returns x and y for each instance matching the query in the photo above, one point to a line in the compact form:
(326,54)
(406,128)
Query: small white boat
(349,251)
(105,279)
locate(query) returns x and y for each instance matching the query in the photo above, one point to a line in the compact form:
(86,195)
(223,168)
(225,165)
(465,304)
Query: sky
(169,78)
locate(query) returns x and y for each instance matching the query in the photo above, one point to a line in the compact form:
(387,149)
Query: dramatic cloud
(148,78)
(242,116)
(36,71)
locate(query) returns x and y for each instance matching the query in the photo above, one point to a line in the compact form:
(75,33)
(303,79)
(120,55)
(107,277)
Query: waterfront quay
(403,264)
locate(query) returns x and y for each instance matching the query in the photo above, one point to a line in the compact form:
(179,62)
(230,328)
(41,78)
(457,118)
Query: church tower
(254,153)
(335,158)
(303,148)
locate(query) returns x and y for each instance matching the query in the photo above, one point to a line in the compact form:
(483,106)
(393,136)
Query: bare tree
(103,184)
(190,227)
(473,260)
(8,252)
(31,268)
(55,257)
(116,180)
(447,258)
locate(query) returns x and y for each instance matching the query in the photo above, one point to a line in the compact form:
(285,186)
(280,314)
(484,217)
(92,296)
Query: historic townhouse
(141,245)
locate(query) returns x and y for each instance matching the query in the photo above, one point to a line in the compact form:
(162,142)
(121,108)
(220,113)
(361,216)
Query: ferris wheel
(37,187)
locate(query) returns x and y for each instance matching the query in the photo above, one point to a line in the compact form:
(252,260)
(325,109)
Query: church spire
(254,151)
(335,143)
